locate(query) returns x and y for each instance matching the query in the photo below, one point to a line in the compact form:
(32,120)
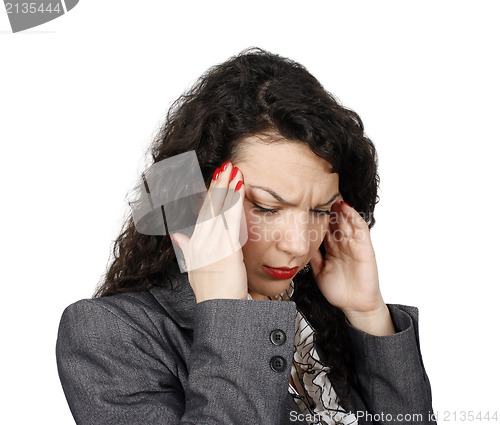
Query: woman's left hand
(348,276)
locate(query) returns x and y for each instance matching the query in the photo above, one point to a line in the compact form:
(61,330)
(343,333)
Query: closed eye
(264,210)
(275,210)
(321,212)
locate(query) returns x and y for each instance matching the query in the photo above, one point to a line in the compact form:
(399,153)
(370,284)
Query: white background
(82,97)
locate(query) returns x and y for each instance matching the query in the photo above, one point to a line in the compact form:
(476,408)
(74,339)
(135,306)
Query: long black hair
(252,93)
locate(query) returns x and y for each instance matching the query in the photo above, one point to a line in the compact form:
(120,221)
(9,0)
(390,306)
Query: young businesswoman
(267,310)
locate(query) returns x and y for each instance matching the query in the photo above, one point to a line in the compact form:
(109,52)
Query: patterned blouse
(311,389)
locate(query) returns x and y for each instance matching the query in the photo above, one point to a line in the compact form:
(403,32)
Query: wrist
(201,298)
(376,322)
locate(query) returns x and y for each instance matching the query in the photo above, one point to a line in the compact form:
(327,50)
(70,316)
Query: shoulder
(130,308)
(133,319)
(120,351)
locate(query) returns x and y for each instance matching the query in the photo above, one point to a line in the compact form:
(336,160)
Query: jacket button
(278,364)
(278,337)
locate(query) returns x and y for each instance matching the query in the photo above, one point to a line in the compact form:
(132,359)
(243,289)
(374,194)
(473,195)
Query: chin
(271,289)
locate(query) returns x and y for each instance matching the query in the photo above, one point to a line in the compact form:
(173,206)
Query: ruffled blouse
(312,390)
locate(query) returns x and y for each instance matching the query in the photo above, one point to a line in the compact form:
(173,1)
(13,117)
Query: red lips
(281,272)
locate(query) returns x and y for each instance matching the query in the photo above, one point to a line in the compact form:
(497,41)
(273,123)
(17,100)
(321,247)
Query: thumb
(317,263)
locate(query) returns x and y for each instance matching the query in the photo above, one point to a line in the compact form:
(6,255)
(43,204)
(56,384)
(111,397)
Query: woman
(278,316)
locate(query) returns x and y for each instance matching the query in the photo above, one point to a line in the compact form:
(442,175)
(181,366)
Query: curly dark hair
(253,93)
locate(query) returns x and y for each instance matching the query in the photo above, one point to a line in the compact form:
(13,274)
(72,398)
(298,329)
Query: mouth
(281,272)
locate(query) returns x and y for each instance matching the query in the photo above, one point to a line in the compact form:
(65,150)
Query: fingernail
(171,237)
(344,202)
(238,185)
(216,174)
(224,166)
(233,173)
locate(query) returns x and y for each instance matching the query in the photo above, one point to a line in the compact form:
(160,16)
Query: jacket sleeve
(116,371)
(392,381)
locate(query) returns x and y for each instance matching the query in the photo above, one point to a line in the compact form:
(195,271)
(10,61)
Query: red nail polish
(344,202)
(224,166)
(238,185)
(233,174)
(216,174)
(171,237)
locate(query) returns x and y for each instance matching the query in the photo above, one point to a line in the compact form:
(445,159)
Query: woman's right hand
(213,255)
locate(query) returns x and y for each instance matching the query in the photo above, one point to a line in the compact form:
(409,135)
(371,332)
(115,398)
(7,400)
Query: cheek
(259,226)
(255,245)
(255,228)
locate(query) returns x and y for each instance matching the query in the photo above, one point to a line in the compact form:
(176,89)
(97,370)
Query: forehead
(286,166)
(272,148)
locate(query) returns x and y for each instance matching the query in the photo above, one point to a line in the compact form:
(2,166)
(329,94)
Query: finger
(233,212)
(236,190)
(340,221)
(350,227)
(354,217)
(213,202)
(219,189)
(346,220)
(207,210)
(335,216)
(222,231)
(332,240)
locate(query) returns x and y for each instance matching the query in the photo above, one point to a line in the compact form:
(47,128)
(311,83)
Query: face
(288,194)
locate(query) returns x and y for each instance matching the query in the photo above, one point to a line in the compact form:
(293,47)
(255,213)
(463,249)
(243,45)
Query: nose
(294,238)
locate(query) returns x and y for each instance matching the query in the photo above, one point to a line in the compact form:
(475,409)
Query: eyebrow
(280,199)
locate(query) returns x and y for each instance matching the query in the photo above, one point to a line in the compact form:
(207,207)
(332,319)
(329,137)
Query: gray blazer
(156,357)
